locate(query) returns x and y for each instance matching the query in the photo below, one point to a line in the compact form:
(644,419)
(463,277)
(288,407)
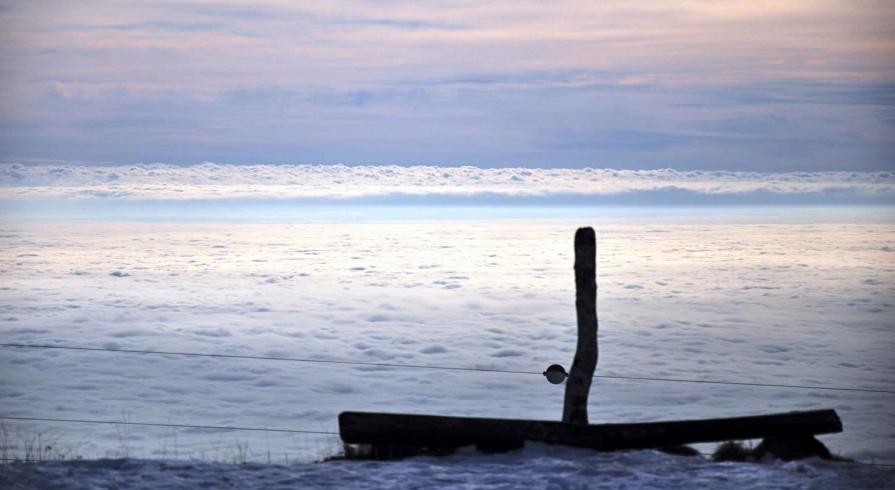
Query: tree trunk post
(582,371)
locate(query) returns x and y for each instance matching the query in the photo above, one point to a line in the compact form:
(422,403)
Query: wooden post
(582,371)
(432,431)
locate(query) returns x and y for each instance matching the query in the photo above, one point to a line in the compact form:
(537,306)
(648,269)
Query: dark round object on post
(555,374)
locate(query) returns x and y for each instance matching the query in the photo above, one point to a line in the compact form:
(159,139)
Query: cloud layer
(769,86)
(807,303)
(433,185)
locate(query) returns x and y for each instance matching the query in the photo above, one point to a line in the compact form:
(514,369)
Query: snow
(536,467)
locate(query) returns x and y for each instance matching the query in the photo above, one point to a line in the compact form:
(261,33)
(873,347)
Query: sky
(768,86)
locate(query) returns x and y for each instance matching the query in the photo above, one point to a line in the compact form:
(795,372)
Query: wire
(290,359)
(745,383)
(159,424)
(426,366)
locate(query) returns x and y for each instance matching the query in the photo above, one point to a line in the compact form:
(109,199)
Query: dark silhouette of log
(435,432)
(582,371)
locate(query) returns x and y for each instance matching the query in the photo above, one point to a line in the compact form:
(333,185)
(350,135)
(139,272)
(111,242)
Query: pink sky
(805,85)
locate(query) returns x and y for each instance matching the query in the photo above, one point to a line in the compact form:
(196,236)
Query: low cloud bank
(438,186)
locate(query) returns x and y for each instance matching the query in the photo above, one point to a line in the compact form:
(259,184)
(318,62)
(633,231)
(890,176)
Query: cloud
(525,83)
(392,185)
(737,299)
(403,24)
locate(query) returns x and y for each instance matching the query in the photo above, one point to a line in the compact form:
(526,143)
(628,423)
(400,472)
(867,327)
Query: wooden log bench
(395,435)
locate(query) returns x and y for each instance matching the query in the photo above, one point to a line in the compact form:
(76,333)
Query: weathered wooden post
(582,372)
(392,435)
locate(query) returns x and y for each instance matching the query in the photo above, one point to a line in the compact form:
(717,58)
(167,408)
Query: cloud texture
(762,85)
(433,185)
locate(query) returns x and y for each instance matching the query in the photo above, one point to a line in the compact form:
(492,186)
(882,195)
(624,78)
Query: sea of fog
(741,277)
(785,295)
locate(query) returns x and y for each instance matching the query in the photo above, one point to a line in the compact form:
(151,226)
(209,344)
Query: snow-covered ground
(535,467)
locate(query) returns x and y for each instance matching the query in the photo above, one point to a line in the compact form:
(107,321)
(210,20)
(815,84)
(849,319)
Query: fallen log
(438,432)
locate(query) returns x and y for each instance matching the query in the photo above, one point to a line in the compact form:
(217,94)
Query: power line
(159,424)
(429,366)
(263,358)
(745,383)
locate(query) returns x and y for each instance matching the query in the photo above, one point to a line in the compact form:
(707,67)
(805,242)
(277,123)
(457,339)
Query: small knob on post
(555,374)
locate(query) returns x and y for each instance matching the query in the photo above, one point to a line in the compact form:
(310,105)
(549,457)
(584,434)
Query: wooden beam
(432,431)
(585,362)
